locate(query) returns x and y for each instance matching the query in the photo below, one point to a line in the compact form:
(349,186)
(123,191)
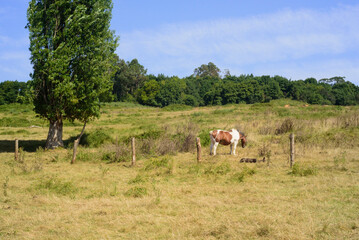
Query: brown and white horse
(226,138)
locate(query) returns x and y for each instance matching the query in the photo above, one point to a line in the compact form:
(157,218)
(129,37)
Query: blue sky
(294,39)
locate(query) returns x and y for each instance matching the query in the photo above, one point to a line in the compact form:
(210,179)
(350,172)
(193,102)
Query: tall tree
(71,52)
(129,77)
(207,70)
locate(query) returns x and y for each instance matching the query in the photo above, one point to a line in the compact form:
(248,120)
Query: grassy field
(167,195)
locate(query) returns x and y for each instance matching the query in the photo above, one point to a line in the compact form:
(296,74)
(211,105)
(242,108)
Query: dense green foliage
(12,92)
(205,87)
(72,52)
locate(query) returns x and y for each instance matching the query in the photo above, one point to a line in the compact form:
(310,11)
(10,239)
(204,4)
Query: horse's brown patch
(222,137)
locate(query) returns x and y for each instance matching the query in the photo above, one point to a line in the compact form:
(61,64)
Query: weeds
(239,176)
(104,170)
(138,179)
(27,166)
(5,186)
(286,126)
(299,170)
(57,186)
(136,192)
(340,161)
(221,169)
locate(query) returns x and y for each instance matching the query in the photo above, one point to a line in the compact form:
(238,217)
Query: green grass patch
(239,176)
(177,107)
(302,171)
(57,186)
(96,138)
(220,169)
(136,192)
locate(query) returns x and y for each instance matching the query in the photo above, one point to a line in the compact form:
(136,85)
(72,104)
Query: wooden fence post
(133,152)
(76,143)
(291,137)
(16,149)
(199,151)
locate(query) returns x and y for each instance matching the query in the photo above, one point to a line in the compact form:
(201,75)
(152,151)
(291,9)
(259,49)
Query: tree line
(207,87)
(130,82)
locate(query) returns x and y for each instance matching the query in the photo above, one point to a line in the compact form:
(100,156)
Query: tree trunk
(54,137)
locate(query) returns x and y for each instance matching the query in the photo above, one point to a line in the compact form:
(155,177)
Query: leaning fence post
(291,137)
(199,152)
(133,152)
(16,149)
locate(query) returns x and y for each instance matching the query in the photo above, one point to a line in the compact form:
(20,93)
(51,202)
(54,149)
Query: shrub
(204,136)
(96,138)
(286,126)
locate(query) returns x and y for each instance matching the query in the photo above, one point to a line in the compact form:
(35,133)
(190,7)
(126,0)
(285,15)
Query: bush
(96,138)
(286,126)
(204,136)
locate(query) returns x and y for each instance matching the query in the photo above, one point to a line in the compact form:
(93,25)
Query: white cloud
(243,44)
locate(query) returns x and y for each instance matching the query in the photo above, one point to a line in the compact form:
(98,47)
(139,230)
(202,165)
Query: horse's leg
(211,148)
(215,148)
(230,153)
(234,147)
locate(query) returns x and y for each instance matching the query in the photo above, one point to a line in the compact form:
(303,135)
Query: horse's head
(243,139)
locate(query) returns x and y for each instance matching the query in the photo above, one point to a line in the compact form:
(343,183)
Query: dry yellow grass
(45,197)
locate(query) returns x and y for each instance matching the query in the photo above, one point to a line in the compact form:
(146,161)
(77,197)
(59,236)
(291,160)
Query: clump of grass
(96,138)
(224,111)
(57,186)
(221,169)
(299,170)
(340,161)
(27,166)
(155,163)
(84,156)
(138,179)
(5,186)
(136,192)
(263,231)
(286,126)
(239,176)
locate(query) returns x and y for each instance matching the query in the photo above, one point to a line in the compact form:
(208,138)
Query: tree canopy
(72,53)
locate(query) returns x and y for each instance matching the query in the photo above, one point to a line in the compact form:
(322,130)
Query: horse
(231,138)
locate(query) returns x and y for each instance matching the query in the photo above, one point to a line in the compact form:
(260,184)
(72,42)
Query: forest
(205,87)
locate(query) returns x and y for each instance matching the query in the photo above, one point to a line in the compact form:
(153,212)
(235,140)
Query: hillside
(167,194)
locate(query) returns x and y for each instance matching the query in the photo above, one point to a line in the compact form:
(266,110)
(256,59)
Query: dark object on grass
(252,160)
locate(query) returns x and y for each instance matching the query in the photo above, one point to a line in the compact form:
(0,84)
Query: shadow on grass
(7,146)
